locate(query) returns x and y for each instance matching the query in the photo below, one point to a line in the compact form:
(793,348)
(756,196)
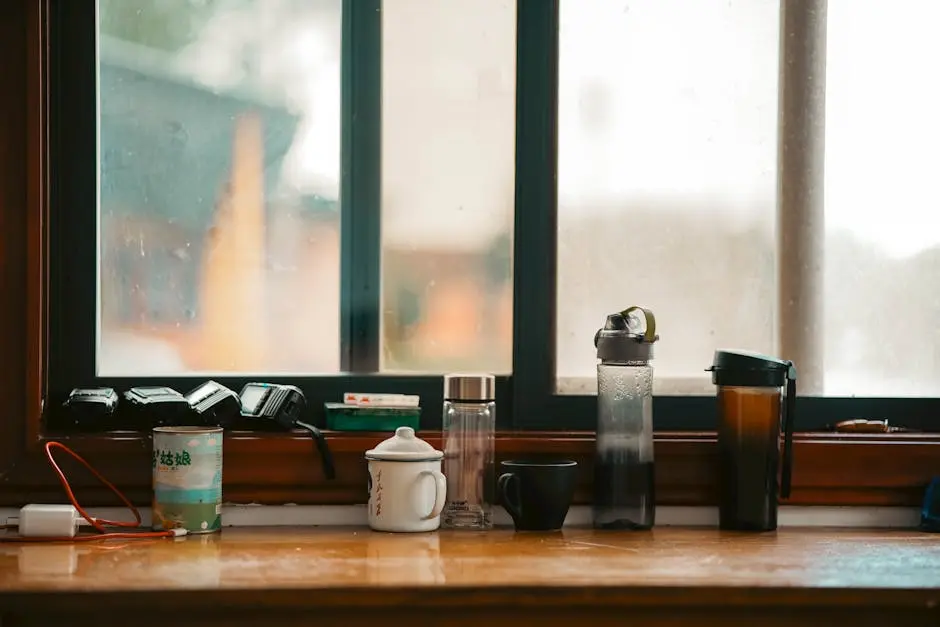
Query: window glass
(220,127)
(666,179)
(219,186)
(448,131)
(882,262)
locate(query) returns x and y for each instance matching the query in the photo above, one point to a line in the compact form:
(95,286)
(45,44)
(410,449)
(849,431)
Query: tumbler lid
(747,368)
(469,387)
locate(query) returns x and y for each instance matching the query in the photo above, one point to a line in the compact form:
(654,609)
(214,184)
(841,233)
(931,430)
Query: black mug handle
(512,503)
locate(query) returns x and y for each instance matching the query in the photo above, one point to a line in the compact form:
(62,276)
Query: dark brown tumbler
(751,406)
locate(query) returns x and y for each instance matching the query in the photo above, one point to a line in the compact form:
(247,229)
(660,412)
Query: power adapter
(62,521)
(47,521)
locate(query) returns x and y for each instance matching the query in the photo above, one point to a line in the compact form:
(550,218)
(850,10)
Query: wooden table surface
(297,568)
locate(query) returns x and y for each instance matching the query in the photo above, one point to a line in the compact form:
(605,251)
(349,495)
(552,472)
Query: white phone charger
(48,521)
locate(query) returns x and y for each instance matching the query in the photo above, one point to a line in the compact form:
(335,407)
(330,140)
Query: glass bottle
(469,445)
(624,489)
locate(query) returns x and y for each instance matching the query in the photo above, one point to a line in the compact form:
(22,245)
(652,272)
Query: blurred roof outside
(172,157)
(443,113)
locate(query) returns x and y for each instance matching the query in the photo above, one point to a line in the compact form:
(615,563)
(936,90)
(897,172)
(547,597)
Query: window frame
(534,403)
(800,162)
(889,469)
(73,290)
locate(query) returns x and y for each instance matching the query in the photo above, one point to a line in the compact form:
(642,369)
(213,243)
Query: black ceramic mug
(537,494)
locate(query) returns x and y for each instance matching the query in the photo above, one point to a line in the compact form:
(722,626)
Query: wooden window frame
(831,469)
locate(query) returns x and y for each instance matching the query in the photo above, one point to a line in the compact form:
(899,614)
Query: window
(291,190)
(448,123)
(882,230)
(220,204)
(673,198)
(667,125)
(672,192)
(361,194)
(219,187)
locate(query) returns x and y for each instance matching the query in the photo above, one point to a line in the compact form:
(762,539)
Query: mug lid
(404,446)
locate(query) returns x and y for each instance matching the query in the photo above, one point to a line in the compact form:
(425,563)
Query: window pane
(666,179)
(447,184)
(219,166)
(882,265)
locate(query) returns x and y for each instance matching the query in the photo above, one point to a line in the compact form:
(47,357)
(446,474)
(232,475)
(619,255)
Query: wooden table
(342,576)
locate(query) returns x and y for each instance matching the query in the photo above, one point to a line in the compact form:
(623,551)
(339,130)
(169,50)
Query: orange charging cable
(100,525)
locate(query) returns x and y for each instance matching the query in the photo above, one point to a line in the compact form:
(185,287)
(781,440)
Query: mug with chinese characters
(406,487)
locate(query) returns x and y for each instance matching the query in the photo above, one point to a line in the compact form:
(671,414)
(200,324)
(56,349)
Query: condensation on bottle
(624,475)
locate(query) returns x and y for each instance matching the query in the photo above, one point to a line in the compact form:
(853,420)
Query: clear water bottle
(624,492)
(469,448)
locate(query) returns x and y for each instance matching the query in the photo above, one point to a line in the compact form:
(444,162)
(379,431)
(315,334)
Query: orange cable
(100,524)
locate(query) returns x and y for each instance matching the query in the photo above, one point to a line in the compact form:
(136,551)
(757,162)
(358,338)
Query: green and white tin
(187,479)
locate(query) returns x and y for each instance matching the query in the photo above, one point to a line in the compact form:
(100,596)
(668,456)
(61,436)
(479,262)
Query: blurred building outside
(217,256)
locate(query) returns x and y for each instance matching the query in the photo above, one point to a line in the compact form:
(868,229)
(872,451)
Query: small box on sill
(347,417)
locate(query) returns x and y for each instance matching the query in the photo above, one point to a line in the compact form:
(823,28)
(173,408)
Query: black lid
(739,367)
(627,336)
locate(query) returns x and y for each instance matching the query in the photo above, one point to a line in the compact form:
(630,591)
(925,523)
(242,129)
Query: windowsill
(890,470)
(669,570)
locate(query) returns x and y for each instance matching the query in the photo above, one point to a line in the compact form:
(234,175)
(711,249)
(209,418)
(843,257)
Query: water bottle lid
(627,337)
(469,387)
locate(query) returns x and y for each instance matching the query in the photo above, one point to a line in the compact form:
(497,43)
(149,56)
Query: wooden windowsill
(670,570)
(277,468)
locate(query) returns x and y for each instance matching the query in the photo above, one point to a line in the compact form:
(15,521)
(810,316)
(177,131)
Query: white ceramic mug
(406,496)
(407,490)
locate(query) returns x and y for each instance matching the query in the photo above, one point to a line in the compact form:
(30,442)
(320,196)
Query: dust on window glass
(667,158)
(882,261)
(219,199)
(666,179)
(219,169)
(448,162)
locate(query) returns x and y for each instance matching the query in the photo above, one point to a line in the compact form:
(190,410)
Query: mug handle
(440,493)
(512,504)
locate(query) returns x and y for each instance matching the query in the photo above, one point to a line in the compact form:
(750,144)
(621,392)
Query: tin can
(187,479)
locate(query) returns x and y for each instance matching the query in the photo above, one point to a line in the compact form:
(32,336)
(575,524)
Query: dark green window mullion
(361,187)
(536,213)
(73,222)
